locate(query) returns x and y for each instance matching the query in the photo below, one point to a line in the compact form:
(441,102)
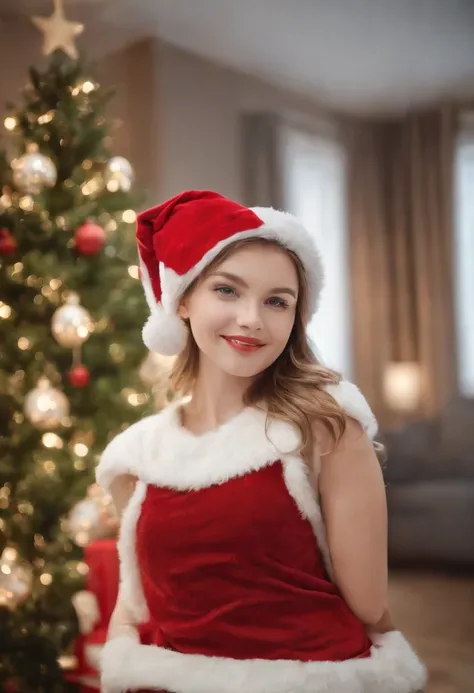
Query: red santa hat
(179,238)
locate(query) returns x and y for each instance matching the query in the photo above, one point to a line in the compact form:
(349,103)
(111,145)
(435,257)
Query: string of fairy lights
(46,406)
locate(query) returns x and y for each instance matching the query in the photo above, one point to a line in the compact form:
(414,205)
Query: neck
(217,397)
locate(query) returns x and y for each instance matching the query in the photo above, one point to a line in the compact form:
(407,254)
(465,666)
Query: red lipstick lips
(243,344)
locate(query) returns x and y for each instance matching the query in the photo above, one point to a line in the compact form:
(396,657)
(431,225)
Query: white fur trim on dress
(149,449)
(351,399)
(113,461)
(124,452)
(299,486)
(393,667)
(279,226)
(131,590)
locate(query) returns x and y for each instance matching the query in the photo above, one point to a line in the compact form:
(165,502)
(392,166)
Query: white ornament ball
(16,578)
(71,324)
(34,171)
(118,174)
(93,518)
(45,406)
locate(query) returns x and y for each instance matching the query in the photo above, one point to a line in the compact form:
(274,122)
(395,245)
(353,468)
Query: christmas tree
(71,309)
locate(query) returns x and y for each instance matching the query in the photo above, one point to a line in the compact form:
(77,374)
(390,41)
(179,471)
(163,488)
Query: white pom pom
(163,333)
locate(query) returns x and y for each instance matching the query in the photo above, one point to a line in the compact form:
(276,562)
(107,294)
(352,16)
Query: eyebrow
(238,280)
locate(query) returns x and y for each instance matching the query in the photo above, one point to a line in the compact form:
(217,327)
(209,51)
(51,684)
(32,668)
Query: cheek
(281,328)
(209,317)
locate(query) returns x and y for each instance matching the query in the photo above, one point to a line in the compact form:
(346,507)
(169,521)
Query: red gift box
(95,606)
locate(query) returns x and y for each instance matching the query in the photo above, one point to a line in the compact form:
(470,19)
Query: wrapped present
(94,607)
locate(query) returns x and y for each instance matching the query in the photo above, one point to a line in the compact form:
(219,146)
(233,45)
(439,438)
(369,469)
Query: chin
(242,370)
(237,365)
(244,366)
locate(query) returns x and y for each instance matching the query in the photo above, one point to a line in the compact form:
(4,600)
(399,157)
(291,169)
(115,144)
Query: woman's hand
(384,625)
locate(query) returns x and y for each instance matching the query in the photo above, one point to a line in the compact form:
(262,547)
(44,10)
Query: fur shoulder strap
(351,399)
(123,454)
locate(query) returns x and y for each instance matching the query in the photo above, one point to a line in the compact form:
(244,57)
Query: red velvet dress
(223,576)
(223,547)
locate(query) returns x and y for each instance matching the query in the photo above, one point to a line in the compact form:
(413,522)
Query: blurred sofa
(429,475)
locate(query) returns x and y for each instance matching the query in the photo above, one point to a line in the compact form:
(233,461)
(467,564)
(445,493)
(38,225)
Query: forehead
(265,261)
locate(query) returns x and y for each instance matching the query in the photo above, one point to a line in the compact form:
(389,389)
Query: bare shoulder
(324,442)
(121,489)
(351,463)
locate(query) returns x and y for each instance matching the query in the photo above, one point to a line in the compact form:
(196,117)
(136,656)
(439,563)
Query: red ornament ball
(7,242)
(79,376)
(11,686)
(89,239)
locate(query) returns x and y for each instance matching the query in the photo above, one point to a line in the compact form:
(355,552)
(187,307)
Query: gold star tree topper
(58,32)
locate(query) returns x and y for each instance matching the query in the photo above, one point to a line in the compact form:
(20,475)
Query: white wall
(133,74)
(200,105)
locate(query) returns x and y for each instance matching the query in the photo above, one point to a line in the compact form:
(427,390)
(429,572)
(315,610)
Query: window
(314,189)
(464,261)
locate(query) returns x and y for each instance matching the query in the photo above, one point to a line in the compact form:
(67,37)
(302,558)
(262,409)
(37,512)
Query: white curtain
(314,173)
(464,261)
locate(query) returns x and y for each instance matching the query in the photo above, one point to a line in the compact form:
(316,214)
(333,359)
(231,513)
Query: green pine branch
(39,484)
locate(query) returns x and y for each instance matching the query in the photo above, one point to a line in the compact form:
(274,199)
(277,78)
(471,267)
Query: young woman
(253,533)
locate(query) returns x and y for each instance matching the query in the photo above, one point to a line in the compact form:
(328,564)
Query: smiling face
(242,311)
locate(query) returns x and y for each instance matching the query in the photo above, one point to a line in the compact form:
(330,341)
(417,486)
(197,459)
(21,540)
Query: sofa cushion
(432,521)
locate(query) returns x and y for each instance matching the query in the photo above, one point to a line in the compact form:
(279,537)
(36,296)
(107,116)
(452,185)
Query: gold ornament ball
(45,406)
(118,174)
(93,518)
(71,324)
(16,578)
(34,171)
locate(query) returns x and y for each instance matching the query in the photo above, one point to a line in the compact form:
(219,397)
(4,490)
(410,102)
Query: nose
(249,317)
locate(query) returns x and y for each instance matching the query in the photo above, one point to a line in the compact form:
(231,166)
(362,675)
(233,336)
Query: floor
(436,613)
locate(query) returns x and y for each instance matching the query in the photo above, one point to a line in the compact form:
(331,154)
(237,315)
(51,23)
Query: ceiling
(357,55)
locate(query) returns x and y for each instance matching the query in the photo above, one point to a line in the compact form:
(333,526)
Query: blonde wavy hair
(292,388)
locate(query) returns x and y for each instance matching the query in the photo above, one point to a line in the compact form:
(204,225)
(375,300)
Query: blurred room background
(358,116)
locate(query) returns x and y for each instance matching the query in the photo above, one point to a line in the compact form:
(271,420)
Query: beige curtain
(423,235)
(261,160)
(368,255)
(400,215)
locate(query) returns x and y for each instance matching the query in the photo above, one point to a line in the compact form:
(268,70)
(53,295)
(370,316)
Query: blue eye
(277,302)
(225,290)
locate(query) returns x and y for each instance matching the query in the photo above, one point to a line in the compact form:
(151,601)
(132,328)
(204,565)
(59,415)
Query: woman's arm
(354,508)
(385,625)
(122,621)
